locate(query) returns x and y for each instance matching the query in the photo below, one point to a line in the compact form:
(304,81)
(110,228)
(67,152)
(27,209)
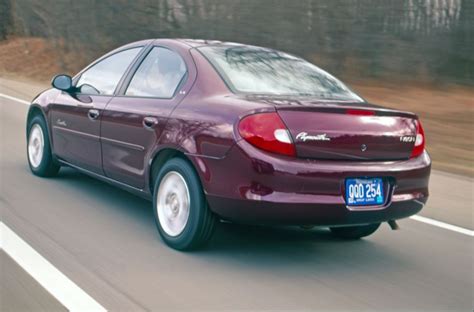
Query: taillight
(419,146)
(267,131)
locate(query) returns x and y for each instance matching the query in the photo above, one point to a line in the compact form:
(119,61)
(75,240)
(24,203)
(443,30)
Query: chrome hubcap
(173,203)
(36,145)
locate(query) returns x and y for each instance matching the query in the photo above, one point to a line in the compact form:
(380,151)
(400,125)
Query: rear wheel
(40,157)
(354,232)
(182,216)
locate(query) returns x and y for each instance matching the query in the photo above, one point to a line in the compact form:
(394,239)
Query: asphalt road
(105,240)
(20,292)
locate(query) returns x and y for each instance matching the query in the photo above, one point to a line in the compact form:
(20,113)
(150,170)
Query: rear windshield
(255,70)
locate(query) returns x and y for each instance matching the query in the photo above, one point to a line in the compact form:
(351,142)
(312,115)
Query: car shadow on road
(292,250)
(234,244)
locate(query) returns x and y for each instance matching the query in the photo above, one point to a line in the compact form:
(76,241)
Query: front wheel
(354,232)
(182,216)
(40,157)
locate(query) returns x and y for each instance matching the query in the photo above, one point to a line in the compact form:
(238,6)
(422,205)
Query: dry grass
(37,59)
(446,113)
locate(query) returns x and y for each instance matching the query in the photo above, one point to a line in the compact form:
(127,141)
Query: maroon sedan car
(211,131)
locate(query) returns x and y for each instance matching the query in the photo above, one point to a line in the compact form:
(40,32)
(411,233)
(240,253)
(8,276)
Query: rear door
(133,121)
(75,117)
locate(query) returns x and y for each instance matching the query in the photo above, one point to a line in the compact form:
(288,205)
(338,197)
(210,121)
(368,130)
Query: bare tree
(416,39)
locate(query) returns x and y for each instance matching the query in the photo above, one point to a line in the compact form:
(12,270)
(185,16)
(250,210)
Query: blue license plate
(364,192)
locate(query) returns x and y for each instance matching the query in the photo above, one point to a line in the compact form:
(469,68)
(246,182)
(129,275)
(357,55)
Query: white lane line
(14,99)
(440,224)
(55,282)
(443,225)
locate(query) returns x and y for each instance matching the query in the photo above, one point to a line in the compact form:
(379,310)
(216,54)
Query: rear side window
(103,77)
(159,75)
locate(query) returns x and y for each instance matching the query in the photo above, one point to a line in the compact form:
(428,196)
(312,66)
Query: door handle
(93,114)
(150,122)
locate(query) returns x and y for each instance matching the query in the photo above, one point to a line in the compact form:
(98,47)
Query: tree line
(423,40)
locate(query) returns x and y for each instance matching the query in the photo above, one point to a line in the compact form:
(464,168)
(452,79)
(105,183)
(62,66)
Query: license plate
(364,192)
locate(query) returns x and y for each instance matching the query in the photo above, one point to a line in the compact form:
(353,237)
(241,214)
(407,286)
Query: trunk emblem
(407,138)
(303,136)
(363,147)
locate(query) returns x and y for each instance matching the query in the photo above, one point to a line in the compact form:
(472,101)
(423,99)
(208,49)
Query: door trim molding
(79,133)
(124,144)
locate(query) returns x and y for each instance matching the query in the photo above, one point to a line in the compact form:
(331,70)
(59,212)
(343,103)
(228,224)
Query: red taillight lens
(267,132)
(419,146)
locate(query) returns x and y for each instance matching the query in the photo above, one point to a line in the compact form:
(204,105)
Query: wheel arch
(160,157)
(35,110)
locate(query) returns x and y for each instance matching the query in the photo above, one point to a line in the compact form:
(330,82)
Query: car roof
(204,42)
(191,43)
(136,44)
(194,43)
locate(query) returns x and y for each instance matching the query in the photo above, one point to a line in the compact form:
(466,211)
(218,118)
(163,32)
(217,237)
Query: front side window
(103,77)
(255,70)
(159,75)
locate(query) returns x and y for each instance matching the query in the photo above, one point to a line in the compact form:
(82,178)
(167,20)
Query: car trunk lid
(349,132)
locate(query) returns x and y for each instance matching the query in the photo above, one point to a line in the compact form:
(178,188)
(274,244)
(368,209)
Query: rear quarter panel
(203,123)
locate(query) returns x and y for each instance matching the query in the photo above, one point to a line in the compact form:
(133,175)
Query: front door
(132,123)
(75,121)
(76,117)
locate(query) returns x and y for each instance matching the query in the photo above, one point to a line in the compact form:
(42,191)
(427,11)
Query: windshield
(255,70)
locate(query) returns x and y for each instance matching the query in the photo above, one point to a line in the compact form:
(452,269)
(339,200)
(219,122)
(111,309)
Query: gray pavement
(20,292)
(105,240)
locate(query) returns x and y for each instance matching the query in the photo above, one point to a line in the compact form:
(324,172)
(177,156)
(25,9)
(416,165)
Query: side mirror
(62,82)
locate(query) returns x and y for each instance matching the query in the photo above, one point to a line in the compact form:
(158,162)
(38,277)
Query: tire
(354,232)
(38,149)
(182,216)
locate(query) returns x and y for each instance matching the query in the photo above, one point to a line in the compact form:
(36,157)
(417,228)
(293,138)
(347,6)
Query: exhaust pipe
(393,225)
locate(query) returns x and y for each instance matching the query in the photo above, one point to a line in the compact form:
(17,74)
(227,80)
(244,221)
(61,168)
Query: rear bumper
(251,186)
(260,212)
